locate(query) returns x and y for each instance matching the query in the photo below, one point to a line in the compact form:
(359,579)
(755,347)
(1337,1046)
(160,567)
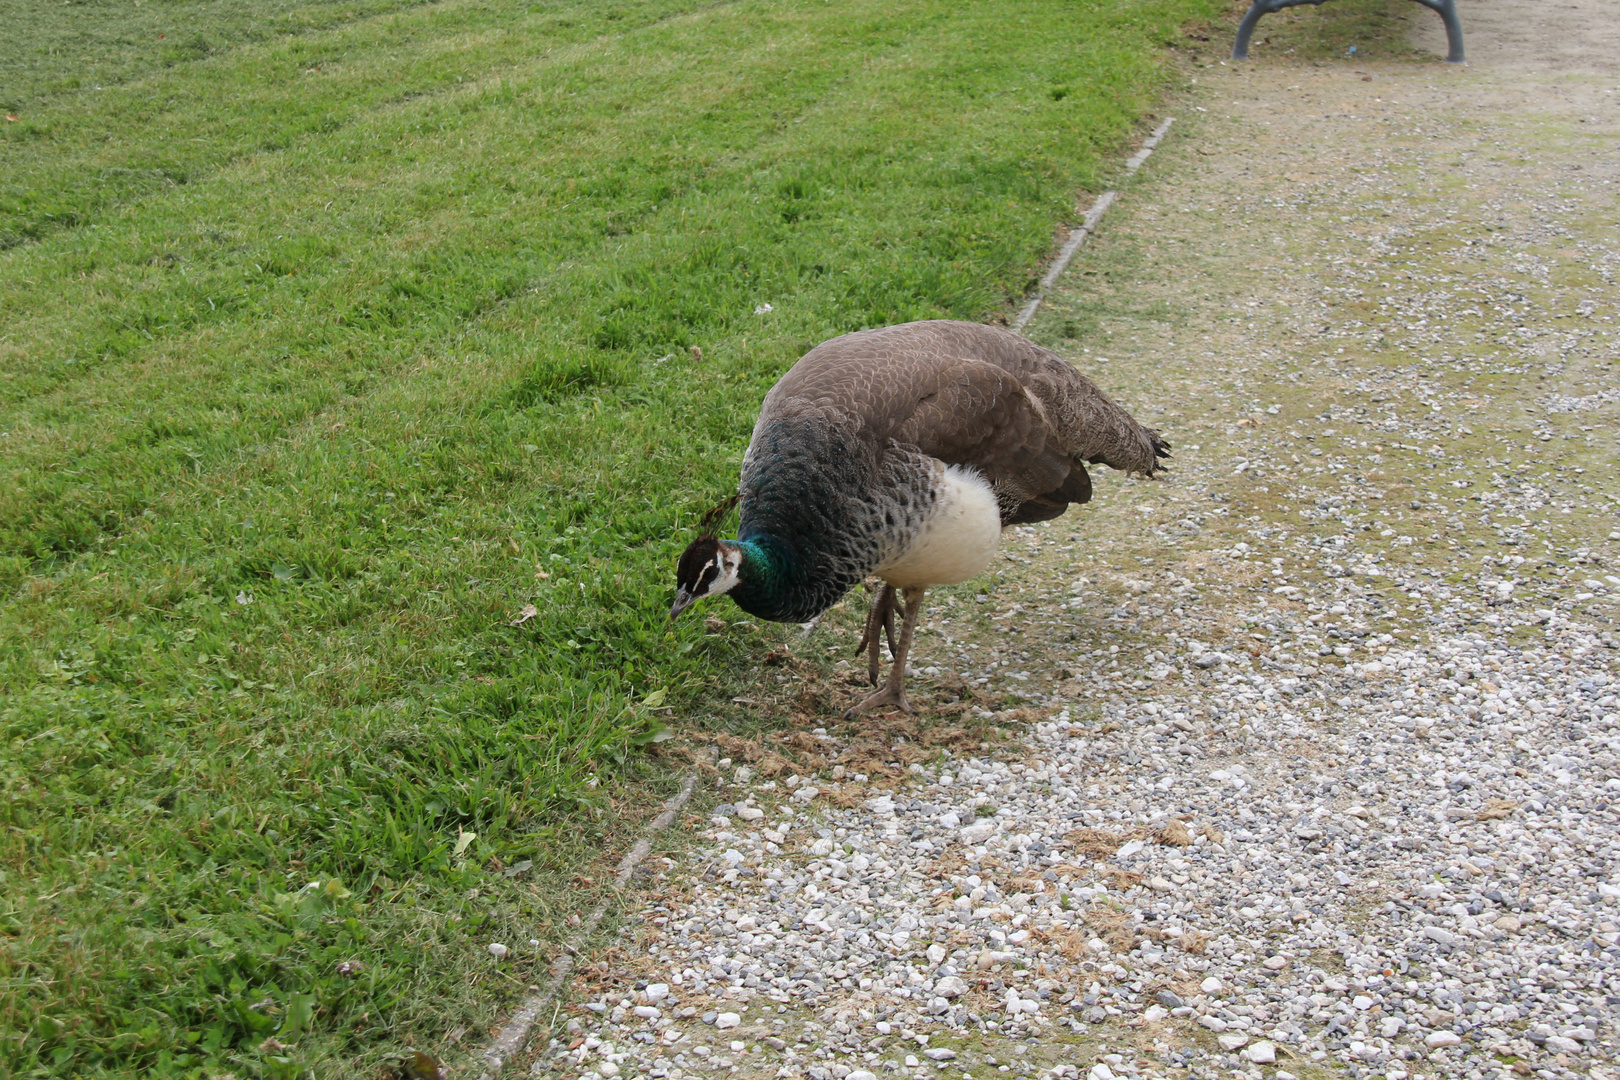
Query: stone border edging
(514,1034)
(1087,226)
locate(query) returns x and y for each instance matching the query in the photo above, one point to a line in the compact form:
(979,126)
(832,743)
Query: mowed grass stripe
(50,59)
(398,191)
(286,300)
(262,563)
(74,157)
(141,245)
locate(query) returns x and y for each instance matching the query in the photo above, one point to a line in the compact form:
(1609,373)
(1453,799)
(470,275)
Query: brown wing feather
(980,415)
(1090,424)
(975,395)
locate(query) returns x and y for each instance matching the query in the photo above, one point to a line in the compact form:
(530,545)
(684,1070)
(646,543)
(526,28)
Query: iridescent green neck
(773,584)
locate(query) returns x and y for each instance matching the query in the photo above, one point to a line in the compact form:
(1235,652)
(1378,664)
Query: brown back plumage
(972,395)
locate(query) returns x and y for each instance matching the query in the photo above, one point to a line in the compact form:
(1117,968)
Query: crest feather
(710,523)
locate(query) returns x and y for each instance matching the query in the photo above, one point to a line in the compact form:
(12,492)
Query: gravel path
(1314,753)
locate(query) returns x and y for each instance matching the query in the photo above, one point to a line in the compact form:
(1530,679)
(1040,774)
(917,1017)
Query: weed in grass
(325,349)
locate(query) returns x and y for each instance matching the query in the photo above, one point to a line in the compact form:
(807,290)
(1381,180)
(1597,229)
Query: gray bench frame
(1447,10)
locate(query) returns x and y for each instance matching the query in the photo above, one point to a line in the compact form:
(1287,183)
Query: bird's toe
(886,698)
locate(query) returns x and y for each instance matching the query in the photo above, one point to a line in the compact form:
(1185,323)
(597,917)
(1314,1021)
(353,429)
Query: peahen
(902,452)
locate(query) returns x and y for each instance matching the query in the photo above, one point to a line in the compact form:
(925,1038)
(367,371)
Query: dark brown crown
(696,568)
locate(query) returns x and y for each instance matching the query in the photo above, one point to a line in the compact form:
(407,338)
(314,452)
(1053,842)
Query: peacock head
(708,567)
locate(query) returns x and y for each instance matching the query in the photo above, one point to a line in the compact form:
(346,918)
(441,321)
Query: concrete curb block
(1087,227)
(514,1034)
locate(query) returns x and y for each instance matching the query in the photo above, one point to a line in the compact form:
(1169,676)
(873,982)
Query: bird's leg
(893,693)
(888,626)
(881,615)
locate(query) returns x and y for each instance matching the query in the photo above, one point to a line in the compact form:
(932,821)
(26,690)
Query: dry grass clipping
(769,762)
(1071,943)
(1112,926)
(1124,879)
(847,796)
(1175,833)
(1094,843)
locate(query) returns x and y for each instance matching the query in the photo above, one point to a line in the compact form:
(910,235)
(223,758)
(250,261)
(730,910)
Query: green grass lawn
(331,335)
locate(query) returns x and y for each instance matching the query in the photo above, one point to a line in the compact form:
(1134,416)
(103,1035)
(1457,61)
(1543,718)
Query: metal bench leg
(1447,9)
(1240,47)
(1454,39)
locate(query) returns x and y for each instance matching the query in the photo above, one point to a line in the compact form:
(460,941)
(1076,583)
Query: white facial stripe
(726,564)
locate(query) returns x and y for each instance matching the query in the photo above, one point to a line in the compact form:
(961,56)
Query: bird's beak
(683,600)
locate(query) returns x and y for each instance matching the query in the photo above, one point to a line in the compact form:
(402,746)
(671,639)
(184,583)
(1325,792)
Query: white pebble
(1262,1052)
(978,832)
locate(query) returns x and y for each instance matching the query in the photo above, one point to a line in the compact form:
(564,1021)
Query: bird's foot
(890,697)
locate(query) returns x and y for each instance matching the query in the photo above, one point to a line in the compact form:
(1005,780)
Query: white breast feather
(956,540)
